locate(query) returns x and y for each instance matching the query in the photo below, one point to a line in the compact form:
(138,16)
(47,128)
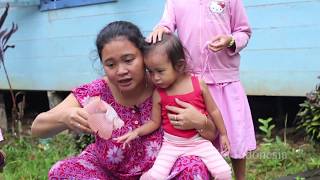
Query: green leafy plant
(5,34)
(266,127)
(277,159)
(314,163)
(34,159)
(308,118)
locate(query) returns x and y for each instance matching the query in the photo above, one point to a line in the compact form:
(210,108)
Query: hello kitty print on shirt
(217,6)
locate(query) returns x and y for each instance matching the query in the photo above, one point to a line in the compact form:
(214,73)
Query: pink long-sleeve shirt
(199,22)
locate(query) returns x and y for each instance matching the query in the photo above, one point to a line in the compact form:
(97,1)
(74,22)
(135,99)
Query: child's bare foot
(2,160)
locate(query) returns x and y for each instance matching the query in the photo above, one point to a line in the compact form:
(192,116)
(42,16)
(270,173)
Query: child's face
(160,68)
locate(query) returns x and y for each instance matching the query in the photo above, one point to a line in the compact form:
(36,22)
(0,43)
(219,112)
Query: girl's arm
(168,19)
(217,118)
(155,121)
(66,115)
(149,126)
(240,28)
(212,108)
(167,23)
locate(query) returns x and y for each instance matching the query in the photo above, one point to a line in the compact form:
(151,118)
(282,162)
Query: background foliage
(309,114)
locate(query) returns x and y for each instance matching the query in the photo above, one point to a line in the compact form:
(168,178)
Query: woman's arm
(240,27)
(188,117)
(66,115)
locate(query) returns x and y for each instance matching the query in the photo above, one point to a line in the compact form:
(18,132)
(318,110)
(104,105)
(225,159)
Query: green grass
(276,159)
(27,159)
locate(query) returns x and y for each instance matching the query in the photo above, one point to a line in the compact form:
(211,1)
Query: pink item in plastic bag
(103,119)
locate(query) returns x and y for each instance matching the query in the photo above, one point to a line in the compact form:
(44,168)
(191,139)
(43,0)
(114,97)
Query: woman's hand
(66,115)
(219,43)
(225,145)
(77,119)
(127,138)
(187,117)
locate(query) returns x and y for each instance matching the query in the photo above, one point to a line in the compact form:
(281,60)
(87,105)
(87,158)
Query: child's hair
(174,49)
(118,29)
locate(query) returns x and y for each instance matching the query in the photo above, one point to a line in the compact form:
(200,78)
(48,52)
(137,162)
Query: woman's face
(123,64)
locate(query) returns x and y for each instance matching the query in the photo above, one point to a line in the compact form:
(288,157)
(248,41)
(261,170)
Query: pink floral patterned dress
(105,159)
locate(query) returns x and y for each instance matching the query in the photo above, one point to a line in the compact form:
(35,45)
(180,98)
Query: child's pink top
(195,98)
(199,21)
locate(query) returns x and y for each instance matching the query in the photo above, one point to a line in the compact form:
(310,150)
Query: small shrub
(309,115)
(266,127)
(275,158)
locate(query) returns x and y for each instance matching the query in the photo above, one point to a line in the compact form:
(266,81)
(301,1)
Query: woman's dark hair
(174,49)
(118,29)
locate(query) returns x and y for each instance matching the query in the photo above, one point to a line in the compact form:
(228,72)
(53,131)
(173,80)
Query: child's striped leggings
(173,147)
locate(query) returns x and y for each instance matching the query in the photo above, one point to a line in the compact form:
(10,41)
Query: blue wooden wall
(55,49)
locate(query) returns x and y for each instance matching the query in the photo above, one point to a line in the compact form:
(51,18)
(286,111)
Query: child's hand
(219,43)
(125,139)
(225,145)
(156,35)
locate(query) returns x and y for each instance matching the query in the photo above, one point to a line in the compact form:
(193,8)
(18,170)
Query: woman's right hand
(66,115)
(77,119)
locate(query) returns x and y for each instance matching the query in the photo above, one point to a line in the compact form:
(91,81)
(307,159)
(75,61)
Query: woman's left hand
(219,43)
(187,117)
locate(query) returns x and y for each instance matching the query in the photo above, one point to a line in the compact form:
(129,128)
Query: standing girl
(166,65)
(214,34)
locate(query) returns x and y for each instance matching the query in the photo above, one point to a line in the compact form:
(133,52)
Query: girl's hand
(76,118)
(219,43)
(156,35)
(127,138)
(225,145)
(187,117)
